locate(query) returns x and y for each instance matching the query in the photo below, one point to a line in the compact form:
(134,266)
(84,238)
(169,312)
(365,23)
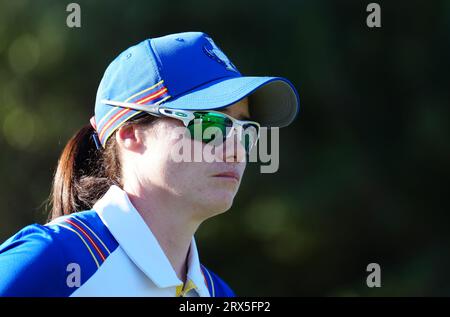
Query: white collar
(137,240)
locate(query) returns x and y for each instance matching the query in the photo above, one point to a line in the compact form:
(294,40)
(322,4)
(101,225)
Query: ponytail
(85,173)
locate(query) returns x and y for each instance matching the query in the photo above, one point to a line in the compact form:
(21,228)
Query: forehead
(238,110)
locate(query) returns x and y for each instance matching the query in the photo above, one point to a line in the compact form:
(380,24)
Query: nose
(232,150)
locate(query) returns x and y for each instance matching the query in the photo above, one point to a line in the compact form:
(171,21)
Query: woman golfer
(125,208)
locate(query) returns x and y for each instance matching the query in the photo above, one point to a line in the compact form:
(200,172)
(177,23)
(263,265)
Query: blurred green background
(362,171)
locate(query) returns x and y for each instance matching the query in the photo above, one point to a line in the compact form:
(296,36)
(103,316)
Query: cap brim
(274,101)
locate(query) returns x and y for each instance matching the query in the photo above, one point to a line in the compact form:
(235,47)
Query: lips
(229,174)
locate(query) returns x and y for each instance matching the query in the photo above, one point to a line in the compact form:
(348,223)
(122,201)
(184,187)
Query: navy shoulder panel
(41,260)
(216,286)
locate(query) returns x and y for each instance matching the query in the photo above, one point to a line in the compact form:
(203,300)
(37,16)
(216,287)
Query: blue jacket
(107,251)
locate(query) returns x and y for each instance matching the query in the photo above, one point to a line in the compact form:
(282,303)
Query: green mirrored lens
(209,126)
(212,126)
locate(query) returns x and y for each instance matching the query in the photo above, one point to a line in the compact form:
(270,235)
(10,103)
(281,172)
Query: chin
(218,204)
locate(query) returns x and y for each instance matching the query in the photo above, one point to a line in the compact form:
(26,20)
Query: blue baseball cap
(187,71)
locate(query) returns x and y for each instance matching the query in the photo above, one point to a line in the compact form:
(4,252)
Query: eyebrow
(244,117)
(240,117)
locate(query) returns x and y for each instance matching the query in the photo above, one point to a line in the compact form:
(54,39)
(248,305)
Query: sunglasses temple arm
(133,106)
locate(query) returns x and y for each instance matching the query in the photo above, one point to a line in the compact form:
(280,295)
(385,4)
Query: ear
(130,138)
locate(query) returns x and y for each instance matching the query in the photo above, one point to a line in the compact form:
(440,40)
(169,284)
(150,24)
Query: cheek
(186,177)
(190,179)
(165,171)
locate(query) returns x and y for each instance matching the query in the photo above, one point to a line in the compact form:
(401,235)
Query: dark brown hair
(84,173)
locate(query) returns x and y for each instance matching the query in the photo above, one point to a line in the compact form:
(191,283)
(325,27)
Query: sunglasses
(211,124)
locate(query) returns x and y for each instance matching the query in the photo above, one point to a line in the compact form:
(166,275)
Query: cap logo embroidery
(216,54)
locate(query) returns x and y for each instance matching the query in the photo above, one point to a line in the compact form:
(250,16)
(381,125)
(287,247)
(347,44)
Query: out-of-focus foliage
(363,169)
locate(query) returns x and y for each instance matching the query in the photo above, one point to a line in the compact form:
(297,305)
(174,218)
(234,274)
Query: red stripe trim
(102,245)
(153,97)
(89,238)
(120,114)
(155,92)
(114,119)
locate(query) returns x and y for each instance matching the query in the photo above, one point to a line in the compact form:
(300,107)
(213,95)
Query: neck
(169,223)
